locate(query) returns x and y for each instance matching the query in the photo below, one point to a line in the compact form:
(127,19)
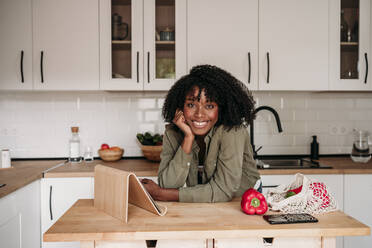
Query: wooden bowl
(110,155)
(152,153)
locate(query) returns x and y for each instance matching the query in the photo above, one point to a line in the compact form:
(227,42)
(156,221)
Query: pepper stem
(255,202)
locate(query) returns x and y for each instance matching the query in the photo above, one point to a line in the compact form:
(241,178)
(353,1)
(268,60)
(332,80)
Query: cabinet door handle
(41,66)
(249,68)
(269,186)
(366,58)
(148,67)
(50,202)
(23,79)
(268,68)
(137,67)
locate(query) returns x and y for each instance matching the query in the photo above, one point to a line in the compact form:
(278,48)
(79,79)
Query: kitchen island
(196,225)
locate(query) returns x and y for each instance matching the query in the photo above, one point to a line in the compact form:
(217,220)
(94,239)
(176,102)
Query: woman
(207,145)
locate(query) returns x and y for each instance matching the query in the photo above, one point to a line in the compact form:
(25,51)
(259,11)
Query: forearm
(167,195)
(187,143)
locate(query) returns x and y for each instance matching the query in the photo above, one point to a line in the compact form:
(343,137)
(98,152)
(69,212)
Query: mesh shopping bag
(314,197)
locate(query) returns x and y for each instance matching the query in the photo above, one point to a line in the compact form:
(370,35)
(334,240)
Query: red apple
(105,146)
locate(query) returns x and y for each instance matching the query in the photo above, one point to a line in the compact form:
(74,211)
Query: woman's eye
(210,106)
(190,105)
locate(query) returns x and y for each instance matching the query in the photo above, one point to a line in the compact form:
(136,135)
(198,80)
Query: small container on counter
(5,159)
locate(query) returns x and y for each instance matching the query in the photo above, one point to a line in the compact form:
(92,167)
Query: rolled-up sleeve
(227,177)
(175,163)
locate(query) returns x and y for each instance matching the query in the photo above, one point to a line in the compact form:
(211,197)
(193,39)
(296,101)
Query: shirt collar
(207,138)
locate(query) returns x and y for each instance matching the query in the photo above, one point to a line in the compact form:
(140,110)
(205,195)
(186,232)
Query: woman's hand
(180,122)
(151,187)
(159,194)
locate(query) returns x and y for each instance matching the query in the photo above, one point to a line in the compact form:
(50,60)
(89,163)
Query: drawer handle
(50,202)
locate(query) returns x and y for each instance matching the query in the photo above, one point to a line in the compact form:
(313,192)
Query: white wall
(37,124)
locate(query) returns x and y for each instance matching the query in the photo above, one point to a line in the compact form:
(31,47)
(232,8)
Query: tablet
(289,218)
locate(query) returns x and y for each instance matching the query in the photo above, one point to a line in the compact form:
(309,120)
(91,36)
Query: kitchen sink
(290,164)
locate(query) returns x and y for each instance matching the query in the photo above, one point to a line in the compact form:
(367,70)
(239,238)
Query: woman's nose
(199,111)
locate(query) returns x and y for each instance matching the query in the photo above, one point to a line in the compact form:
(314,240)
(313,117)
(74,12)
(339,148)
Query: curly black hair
(235,102)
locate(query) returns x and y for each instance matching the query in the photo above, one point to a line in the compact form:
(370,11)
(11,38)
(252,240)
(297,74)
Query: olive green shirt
(229,167)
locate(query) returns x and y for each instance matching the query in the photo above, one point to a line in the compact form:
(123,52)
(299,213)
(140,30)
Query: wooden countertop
(142,167)
(341,165)
(189,220)
(25,172)
(22,173)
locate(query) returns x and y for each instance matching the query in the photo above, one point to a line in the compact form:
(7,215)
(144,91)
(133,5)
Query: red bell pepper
(253,202)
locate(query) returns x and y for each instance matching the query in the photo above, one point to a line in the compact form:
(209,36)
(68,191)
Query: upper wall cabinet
(49,45)
(225,34)
(293,50)
(66,44)
(267,44)
(142,44)
(16,44)
(350,37)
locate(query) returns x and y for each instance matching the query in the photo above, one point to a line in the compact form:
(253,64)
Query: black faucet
(278,123)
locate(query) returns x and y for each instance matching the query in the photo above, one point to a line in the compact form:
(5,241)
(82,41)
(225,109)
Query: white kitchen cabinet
(142,59)
(293,50)
(66,45)
(57,196)
(358,204)
(350,44)
(335,184)
(16,45)
(20,218)
(288,47)
(224,34)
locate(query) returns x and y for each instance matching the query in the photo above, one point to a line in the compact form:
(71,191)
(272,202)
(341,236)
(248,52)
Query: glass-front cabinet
(143,44)
(350,45)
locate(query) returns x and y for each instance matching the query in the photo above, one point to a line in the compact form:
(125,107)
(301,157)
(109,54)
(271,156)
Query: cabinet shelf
(343,43)
(121,42)
(165,42)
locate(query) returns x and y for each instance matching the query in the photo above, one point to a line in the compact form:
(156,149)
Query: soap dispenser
(314,149)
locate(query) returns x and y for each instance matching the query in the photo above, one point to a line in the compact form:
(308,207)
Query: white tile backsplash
(37,124)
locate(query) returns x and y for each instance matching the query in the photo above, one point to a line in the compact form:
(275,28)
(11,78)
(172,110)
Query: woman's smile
(200,113)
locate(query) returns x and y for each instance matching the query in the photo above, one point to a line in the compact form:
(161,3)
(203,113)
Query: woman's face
(200,114)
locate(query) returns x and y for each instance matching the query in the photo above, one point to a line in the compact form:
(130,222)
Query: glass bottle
(74,145)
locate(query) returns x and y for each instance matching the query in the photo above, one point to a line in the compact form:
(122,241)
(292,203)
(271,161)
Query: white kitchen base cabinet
(358,204)
(20,218)
(57,196)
